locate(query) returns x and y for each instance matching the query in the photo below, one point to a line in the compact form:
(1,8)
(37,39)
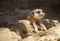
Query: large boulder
(7,35)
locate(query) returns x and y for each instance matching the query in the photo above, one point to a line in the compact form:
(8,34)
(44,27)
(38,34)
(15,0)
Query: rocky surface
(7,35)
(53,34)
(14,27)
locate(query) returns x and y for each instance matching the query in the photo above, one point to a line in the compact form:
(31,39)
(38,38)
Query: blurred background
(51,7)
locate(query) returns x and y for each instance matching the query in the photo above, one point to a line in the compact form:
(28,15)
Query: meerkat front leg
(35,27)
(42,26)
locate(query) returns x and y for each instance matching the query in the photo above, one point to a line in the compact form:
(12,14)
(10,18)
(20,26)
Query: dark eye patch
(38,12)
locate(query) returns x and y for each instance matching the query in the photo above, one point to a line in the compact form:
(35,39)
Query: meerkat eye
(38,12)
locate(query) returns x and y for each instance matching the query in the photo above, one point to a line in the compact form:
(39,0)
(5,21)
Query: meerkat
(35,16)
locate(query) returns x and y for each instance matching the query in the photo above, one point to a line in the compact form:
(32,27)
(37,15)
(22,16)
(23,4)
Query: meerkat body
(35,16)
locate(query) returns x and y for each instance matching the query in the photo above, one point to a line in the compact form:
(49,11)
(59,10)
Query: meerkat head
(37,14)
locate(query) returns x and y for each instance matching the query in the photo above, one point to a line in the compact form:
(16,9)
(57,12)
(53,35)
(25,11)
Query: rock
(31,38)
(7,35)
(50,23)
(53,34)
(47,23)
(55,22)
(26,24)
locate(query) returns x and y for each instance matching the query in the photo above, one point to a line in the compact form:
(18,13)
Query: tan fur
(38,15)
